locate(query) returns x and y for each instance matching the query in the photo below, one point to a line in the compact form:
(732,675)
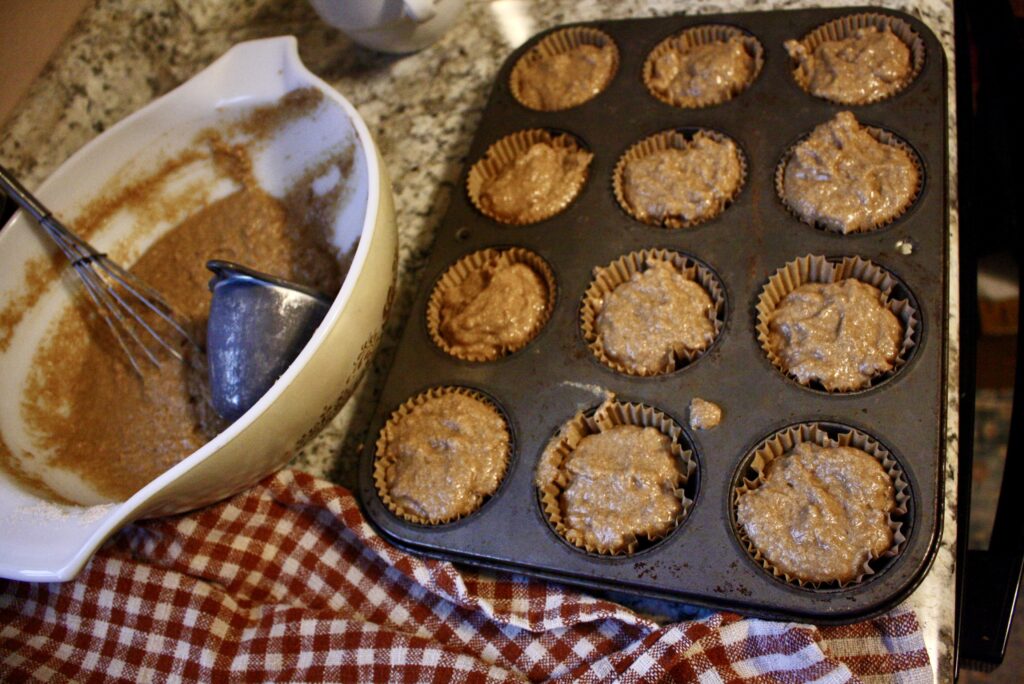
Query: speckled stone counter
(423,110)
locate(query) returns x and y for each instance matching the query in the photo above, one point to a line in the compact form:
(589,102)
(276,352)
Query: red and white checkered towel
(287,581)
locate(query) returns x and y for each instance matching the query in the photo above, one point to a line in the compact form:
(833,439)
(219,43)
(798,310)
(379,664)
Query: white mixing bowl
(40,541)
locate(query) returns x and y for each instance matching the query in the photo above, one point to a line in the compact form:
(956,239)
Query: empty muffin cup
(755,472)
(679,178)
(528,176)
(853,75)
(810,269)
(491,303)
(565,69)
(703,66)
(601,505)
(441,455)
(826,219)
(662,343)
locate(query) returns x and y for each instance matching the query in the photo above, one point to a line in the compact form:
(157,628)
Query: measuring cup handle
(420,10)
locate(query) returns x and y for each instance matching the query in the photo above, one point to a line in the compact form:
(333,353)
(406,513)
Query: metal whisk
(120,298)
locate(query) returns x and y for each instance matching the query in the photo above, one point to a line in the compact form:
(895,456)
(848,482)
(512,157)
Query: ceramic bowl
(41,541)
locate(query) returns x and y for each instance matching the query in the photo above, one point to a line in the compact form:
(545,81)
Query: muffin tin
(556,376)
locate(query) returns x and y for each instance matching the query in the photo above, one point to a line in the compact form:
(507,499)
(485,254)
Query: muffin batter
(444,456)
(867,66)
(702,74)
(839,334)
(844,179)
(538,184)
(564,80)
(496,309)
(621,484)
(649,321)
(821,513)
(704,414)
(687,185)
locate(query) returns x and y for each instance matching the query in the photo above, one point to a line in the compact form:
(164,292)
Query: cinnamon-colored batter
(444,456)
(843,178)
(688,184)
(839,334)
(539,183)
(650,320)
(867,66)
(821,514)
(118,430)
(496,308)
(702,74)
(621,485)
(704,414)
(566,79)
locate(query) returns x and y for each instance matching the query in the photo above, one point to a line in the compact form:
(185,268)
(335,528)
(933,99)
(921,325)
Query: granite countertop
(423,110)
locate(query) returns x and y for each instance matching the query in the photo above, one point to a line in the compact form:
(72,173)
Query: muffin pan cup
(783,442)
(846,26)
(818,269)
(552,479)
(610,277)
(556,376)
(883,136)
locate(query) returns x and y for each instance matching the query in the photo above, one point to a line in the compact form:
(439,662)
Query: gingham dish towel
(288,582)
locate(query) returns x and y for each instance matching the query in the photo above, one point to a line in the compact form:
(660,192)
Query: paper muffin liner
(819,269)
(752,476)
(881,135)
(503,153)
(844,27)
(558,43)
(618,272)
(702,35)
(382,461)
(471,263)
(552,480)
(665,140)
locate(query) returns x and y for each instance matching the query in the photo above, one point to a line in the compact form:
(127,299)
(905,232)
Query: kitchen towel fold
(288,582)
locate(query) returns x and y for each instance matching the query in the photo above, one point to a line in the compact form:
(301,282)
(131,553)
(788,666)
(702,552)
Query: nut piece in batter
(843,178)
(700,74)
(539,183)
(495,310)
(866,66)
(839,334)
(704,414)
(622,484)
(559,81)
(821,513)
(685,184)
(440,455)
(652,319)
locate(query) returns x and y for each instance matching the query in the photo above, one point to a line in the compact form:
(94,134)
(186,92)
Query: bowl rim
(286,49)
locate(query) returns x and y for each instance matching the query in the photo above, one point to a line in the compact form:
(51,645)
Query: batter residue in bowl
(86,406)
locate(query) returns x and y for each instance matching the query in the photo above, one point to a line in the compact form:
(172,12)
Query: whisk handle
(25,199)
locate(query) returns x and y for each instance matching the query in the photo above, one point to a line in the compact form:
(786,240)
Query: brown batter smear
(843,178)
(864,67)
(821,514)
(704,414)
(839,334)
(86,406)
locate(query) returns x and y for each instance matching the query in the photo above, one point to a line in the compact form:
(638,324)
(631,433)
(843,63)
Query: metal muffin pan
(545,384)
